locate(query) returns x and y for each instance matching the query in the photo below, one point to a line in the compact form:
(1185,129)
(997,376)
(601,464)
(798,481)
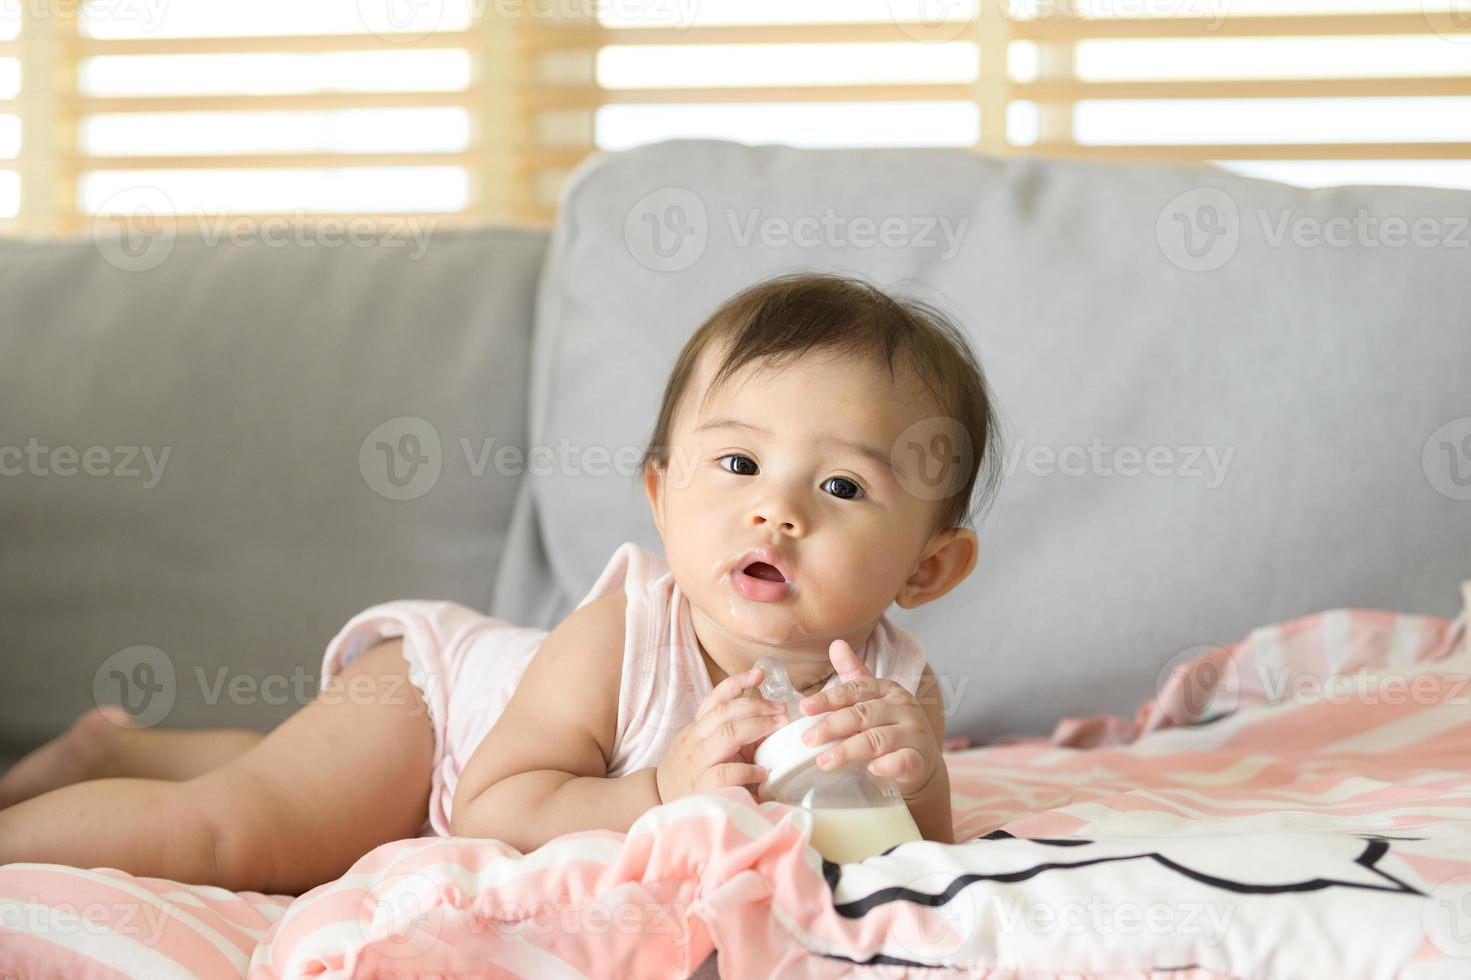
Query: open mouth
(761,570)
(761,581)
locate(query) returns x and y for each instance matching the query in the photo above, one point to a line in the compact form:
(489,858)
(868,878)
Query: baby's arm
(931,806)
(542,770)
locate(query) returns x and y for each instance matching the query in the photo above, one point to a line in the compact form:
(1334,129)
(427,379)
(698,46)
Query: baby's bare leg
(173,753)
(348,772)
(101,743)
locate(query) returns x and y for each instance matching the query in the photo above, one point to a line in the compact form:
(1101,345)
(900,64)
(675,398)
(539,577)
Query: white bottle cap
(783,752)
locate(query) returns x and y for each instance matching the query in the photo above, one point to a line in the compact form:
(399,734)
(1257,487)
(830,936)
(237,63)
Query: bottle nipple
(776,686)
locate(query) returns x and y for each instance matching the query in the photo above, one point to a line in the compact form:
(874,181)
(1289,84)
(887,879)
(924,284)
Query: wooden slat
(499,126)
(990,31)
(1244,88)
(1255,151)
(545,36)
(295,101)
(550,97)
(1233,25)
(542,157)
(250,161)
(222,222)
(558,97)
(213,219)
(48,69)
(270,44)
(538,216)
(564,157)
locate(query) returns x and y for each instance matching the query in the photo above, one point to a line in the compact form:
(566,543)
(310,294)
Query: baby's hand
(878,720)
(701,758)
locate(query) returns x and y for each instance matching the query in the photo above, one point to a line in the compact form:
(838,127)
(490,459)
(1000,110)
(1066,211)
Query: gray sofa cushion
(264,373)
(1207,434)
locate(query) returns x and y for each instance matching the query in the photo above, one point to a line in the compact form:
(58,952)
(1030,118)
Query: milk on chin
(843,834)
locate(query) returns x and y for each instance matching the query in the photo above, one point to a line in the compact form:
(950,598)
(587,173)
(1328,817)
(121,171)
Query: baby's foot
(73,756)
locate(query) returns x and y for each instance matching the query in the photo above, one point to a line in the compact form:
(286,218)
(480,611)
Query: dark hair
(779,320)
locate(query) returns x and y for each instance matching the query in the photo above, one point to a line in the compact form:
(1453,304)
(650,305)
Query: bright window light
(690,13)
(1326,173)
(212,18)
(1322,57)
(683,66)
(1213,9)
(266,74)
(336,131)
(337,189)
(1102,122)
(803,124)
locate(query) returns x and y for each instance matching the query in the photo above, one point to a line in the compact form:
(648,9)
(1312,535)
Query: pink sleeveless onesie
(466,665)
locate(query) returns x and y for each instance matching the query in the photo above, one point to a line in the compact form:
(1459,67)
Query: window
(9,115)
(479,108)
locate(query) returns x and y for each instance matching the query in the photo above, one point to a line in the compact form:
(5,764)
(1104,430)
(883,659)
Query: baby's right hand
(700,760)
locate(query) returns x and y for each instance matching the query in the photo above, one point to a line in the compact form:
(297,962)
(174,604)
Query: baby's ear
(948,558)
(654,491)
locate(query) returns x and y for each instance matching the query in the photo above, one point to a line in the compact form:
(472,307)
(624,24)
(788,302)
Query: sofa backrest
(197,437)
(1227,401)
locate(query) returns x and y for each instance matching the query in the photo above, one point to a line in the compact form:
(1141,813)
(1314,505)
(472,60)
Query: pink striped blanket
(1297,804)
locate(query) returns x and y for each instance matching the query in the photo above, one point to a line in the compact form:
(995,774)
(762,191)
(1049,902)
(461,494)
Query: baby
(815,459)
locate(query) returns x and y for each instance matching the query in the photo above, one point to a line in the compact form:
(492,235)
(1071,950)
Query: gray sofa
(1299,412)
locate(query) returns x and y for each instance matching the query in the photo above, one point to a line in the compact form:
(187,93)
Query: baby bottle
(855,814)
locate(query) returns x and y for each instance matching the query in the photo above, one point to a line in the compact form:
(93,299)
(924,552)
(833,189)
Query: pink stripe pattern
(1294,804)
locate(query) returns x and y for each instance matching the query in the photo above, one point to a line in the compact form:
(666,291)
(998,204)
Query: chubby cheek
(866,594)
(839,585)
(693,542)
(871,579)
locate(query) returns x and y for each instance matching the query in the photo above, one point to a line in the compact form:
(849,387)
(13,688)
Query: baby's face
(764,463)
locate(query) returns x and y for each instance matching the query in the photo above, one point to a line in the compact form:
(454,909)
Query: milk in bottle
(855,814)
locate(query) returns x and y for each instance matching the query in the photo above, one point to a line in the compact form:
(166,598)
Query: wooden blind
(479,110)
(10,130)
(1288,88)
(359,117)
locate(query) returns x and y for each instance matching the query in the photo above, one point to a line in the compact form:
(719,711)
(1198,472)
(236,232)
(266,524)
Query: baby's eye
(737,456)
(855,493)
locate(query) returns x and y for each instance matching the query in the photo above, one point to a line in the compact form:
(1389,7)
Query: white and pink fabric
(1295,804)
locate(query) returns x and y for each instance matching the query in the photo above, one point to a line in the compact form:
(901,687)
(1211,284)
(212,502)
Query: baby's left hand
(886,724)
